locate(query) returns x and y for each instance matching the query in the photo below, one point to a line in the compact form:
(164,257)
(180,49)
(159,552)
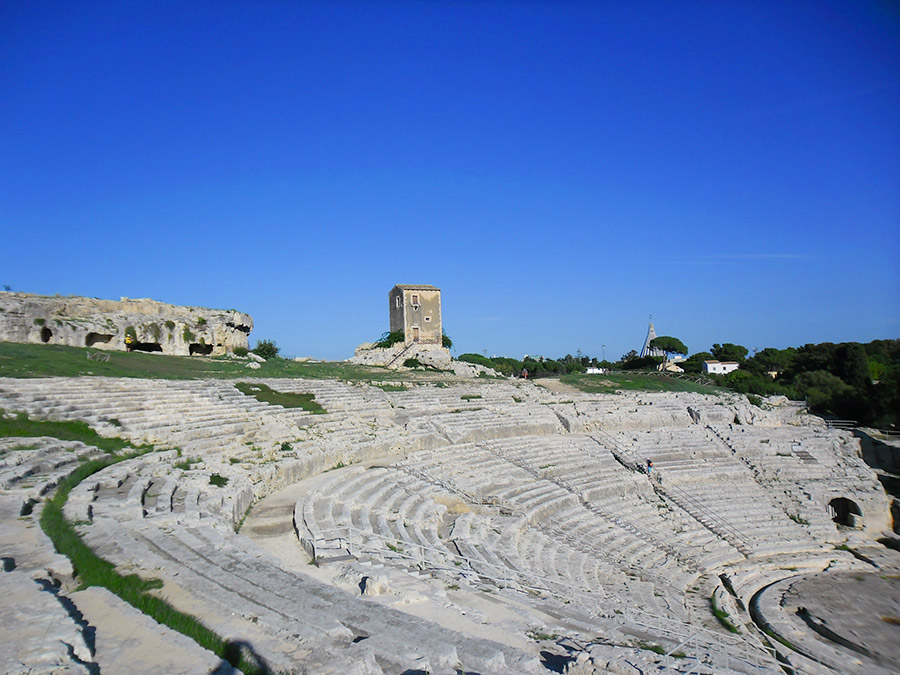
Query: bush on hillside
(266,349)
(477,359)
(643,363)
(389,339)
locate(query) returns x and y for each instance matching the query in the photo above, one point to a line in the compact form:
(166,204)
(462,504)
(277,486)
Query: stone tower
(416,310)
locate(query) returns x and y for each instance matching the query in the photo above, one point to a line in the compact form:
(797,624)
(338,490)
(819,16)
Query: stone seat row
(541,499)
(533,565)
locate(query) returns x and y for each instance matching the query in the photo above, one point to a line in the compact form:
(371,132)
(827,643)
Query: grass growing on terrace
(612,382)
(264,393)
(19,425)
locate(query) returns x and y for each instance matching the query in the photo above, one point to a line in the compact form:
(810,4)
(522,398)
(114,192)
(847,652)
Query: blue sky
(560,170)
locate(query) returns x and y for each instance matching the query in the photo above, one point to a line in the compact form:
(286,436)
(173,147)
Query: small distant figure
(649,467)
(524,373)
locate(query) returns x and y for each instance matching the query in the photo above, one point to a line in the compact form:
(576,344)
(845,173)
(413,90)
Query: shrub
(446,341)
(241,351)
(642,363)
(170,325)
(217,480)
(266,349)
(201,321)
(187,335)
(389,339)
(477,359)
(412,363)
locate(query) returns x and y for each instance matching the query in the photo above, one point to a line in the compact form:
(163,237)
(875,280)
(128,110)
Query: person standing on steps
(649,467)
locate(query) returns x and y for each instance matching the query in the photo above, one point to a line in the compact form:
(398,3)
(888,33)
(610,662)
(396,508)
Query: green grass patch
(186,464)
(469,397)
(723,616)
(611,383)
(264,393)
(31,360)
(217,480)
(391,387)
(539,636)
(19,425)
(26,446)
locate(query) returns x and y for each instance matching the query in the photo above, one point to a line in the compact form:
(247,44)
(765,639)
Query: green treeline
(848,380)
(535,368)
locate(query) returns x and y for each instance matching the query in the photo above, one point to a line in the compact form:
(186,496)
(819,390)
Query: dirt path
(557,387)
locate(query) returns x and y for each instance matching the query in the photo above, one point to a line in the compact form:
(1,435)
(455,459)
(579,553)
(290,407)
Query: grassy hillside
(25,360)
(611,383)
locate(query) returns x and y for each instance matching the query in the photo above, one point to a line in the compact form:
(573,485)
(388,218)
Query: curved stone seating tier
(396,518)
(335,396)
(234,584)
(481,424)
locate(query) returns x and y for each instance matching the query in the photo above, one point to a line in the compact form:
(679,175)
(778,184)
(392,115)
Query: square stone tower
(416,310)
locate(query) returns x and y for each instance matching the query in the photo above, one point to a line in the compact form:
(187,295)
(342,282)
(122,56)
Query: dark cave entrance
(845,512)
(93,338)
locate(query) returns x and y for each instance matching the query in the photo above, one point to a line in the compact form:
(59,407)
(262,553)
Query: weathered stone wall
(104,324)
(427,354)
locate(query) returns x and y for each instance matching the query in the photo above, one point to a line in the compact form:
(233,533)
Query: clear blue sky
(560,170)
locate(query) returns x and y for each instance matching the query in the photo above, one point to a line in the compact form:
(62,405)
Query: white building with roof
(720,367)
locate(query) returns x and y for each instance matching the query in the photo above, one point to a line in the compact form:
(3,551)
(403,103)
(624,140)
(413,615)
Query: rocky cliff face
(141,325)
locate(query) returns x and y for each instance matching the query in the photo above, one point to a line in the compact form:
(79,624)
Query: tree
(446,341)
(669,345)
(852,366)
(266,349)
(771,359)
(729,352)
(824,391)
(694,363)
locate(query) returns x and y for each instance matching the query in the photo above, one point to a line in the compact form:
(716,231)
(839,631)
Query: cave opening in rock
(93,338)
(845,512)
(199,348)
(46,334)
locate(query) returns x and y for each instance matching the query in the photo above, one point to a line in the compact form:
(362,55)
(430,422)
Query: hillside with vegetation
(847,380)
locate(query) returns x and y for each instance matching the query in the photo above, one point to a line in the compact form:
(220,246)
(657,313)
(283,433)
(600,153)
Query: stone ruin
(126,324)
(481,526)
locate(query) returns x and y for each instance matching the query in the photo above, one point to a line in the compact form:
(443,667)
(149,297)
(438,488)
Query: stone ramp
(37,633)
(127,641)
